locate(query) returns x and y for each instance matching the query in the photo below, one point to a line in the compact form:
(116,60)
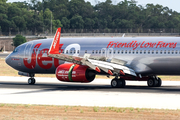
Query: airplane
(81,59)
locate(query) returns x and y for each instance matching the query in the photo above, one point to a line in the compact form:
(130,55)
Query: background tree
(35,16)
(65,23)
(56,24)
(18,40)
(77,22)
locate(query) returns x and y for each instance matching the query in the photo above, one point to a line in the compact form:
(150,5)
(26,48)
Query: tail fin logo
(54,49)
(56,40)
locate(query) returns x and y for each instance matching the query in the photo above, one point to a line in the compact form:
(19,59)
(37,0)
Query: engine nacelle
(74,73)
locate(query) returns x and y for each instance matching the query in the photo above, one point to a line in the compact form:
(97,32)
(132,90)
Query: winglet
(54,49)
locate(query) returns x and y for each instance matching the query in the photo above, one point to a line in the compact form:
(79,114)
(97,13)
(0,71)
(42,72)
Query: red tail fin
(54,49)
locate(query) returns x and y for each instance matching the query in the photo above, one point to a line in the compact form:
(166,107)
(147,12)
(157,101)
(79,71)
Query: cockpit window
(16,49)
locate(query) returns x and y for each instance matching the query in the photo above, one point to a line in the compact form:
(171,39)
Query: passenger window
(93,52)
(122,52)
(74,51)
(137,52)
(118,51)
(161,52)
(130,52)
(173,52)
(96,51)
(114,51)
(141,52)
(133,52)
(66,51)
(103,51)
(156,52)
(168,52)
(85,51)
(144,51)
(149,52)
(99,51)
(78,51)
(176,52)
(165,52)
(126,52)
(110,52)
(153,52)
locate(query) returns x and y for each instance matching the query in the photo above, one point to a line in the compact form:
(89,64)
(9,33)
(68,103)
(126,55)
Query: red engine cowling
(74,73)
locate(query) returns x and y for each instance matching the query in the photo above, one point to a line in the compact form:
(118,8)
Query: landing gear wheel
(151,82)
(31,81)
(122,83)
(118,83)
(159,82)
(114,83)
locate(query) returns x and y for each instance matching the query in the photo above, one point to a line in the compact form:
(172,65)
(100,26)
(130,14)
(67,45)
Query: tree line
(47,15)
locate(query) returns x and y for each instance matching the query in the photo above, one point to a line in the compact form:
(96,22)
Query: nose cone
(8,60)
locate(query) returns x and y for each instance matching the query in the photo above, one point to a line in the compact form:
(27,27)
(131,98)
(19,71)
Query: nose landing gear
(31,81)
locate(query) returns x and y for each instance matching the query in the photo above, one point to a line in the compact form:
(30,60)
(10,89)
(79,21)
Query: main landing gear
(154,82)
(31,81)
(118,83)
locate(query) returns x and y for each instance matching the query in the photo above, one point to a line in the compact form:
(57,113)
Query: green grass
(95,109)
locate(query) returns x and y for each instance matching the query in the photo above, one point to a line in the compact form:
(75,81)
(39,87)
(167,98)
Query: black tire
(31,81)
(159,82)
(114,83)
(151,82)
(122,83)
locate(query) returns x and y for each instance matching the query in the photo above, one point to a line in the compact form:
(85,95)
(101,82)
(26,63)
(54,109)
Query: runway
(4,55)
(50,91)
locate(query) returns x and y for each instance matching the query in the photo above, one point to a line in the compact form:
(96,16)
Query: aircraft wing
(68,58)
(114,67)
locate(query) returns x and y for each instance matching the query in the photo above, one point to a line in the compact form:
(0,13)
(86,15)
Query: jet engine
(74,73)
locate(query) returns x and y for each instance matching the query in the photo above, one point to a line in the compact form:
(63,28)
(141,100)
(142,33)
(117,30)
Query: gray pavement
(50,91)
(4,55)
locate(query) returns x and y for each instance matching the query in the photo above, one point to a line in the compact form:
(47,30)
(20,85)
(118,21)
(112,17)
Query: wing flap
(114,66)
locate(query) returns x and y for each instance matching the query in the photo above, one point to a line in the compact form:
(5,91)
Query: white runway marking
(51,96)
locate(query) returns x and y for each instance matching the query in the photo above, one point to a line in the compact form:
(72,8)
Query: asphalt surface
(43,86)
(4,55)
(50,91)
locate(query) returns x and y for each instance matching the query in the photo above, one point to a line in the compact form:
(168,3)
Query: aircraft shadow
(89,87)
